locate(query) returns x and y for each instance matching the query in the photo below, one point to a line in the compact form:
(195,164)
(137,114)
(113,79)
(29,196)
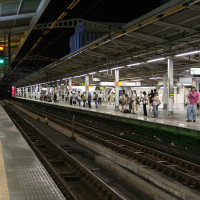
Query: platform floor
(22,176)
(178,119)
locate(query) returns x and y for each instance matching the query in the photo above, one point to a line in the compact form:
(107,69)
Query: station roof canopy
(17,19)
(169,30)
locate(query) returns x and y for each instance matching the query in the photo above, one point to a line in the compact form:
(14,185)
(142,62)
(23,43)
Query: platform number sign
(2,55)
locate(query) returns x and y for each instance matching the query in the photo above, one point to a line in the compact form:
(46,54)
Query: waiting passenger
(155,105)
(79,98)
(100,99)
(84,99)
(71,98)
(95,98)
(122,101)
(144,102)
(193,98)
(111,95)
(55,97)
(89,99)
(133,101)
(74,99)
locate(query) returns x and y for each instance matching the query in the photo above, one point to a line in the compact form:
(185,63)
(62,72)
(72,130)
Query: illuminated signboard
(96,79)
(123,83)
(195,71)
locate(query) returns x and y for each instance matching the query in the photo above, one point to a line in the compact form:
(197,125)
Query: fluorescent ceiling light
(64,79)
(117,68)
(155,60)
(138,79)
(103,70)
(187,84)
(155,78)
(83,75)
(188,53)
(133,64)
(92,73)
(76,76)
(69,77)
(57,80)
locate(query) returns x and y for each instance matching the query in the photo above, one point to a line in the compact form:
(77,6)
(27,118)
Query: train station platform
(160,127)
(22,175)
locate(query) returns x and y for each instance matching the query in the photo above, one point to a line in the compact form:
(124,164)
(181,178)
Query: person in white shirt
(100,98)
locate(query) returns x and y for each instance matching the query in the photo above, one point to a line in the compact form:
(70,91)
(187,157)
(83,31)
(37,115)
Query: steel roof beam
(14,30)
(146,37)
(175,26)
(16,17)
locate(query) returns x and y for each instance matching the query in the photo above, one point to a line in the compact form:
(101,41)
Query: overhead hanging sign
(96,79)
(195,71)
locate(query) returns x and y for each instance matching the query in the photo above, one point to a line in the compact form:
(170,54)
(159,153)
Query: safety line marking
(4,194)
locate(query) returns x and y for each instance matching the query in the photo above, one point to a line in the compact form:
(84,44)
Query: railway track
(62,166)
(183,171)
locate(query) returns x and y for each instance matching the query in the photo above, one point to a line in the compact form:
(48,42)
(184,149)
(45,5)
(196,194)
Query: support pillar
(24,92)
(171,85)
(116,89)
(87,82)
(36,92)
(165,93)
(31,92)
(40,91)
(70,86)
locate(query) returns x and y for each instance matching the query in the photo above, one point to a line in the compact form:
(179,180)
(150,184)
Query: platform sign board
(185,80)
(195,71)
(96,79)
(107,83)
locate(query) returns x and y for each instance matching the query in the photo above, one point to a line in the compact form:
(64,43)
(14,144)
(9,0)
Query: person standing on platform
(155,104)
(79,98)
(55,97)
(74,98)
(133,100)
(111,98)
(193,98)
(84,99)
(145,102)
(100,98)
(71,98)
(95,98)
(89,99)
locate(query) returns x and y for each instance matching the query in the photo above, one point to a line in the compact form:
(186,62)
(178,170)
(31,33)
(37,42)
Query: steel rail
(101,188)
(177,168)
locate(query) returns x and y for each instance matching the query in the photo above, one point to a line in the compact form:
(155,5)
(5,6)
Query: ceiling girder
(15,17)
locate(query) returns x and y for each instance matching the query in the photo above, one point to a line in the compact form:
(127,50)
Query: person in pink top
(193,98)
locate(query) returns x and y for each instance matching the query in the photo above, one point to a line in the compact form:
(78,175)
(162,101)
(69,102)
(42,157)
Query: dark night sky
(56,43)
(101,10)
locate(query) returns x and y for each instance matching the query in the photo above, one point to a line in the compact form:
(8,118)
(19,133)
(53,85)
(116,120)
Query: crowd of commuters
(129,103)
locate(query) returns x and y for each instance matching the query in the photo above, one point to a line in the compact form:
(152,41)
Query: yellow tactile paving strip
(4,194)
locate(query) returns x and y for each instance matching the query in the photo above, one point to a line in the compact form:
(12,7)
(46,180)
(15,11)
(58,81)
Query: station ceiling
(17,20)
(166,31)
